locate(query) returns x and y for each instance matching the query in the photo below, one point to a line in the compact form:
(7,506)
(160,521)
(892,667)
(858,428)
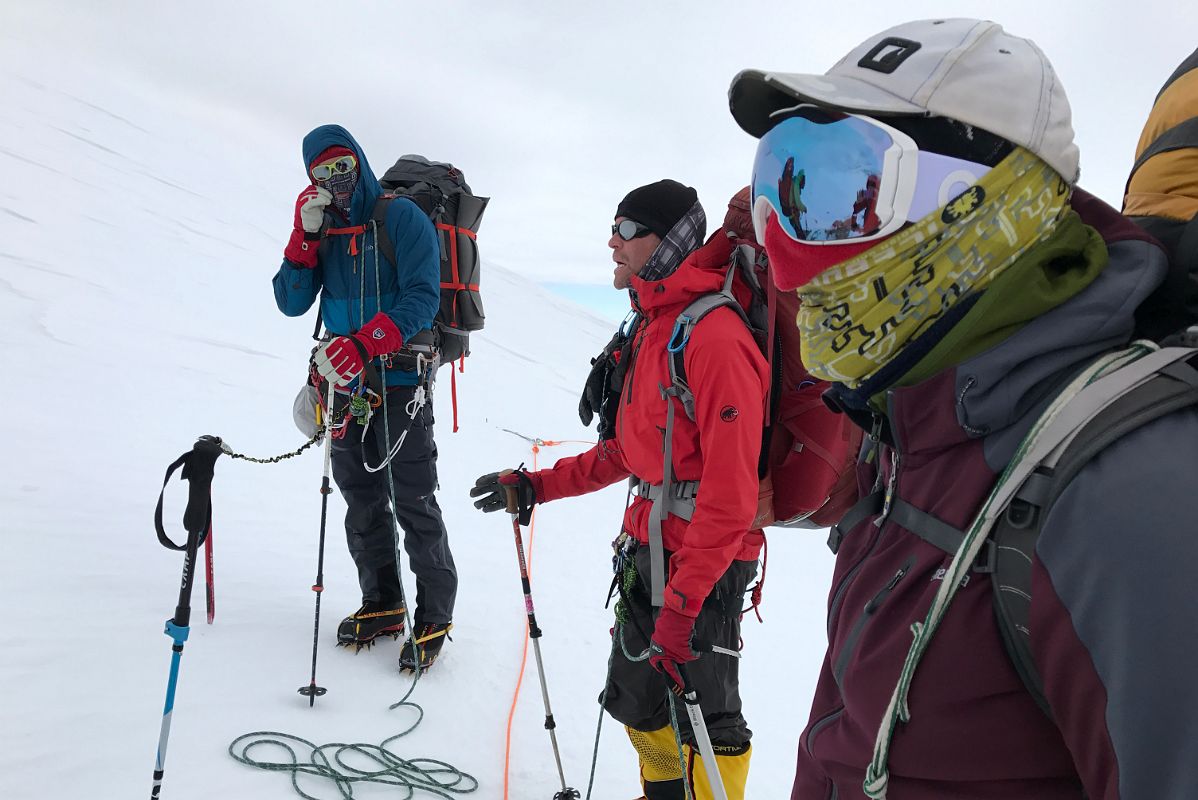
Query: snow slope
(138,236)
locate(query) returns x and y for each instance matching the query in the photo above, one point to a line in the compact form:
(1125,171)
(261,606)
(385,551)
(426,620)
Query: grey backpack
(441,191)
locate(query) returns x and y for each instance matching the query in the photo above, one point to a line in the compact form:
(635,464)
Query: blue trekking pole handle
(198,465)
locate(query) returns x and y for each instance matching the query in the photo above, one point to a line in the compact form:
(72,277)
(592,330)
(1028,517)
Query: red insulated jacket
(719,448)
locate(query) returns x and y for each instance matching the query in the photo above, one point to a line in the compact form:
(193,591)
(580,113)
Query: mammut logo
(963,204)
(887,54)
(729,413)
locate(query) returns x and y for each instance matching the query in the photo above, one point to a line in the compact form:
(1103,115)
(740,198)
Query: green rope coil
(332,762)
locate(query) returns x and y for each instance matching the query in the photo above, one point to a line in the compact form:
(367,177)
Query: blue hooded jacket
(355,287)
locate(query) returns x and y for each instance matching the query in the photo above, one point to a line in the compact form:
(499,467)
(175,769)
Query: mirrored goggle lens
(827,177)
(628,230)
(322,172)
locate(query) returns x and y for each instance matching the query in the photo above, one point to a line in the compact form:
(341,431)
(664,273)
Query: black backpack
(441,191)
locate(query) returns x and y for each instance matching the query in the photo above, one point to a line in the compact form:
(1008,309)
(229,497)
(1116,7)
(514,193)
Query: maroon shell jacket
(1114,615)
(719,448)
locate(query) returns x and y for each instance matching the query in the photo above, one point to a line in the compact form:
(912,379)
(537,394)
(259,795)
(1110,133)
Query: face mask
(342,186)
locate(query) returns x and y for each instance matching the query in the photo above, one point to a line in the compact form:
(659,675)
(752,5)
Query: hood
(702,272)
(368,189)
(1001,391)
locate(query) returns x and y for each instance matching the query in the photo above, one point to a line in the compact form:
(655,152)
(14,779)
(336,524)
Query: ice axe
(690,698)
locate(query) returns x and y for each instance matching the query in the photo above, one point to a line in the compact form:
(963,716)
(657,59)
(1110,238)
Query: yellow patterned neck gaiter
(856,316)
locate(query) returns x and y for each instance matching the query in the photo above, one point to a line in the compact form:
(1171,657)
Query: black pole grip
(198,471)
(198,465)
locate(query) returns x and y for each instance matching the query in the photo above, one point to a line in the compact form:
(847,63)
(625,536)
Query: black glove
(593,391)
(493,488)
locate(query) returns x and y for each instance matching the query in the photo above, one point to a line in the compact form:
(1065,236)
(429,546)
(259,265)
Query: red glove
(671,645)
(305,235)
(344,357)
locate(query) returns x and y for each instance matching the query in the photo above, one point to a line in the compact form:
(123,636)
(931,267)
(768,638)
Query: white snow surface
(138,237)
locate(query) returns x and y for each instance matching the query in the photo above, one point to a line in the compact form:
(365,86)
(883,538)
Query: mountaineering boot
(372,620)
(733,763)
(661,771)
(376,617)
(664,790)
(429,639)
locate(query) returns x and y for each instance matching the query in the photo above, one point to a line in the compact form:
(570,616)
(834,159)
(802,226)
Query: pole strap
(198,465)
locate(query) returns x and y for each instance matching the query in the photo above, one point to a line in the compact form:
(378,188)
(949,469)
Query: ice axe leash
(312,691)
(198,465)
(534,633)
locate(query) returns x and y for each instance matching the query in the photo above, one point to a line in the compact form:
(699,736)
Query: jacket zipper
(628,376)
(878,522)
(850,642)
(823,722)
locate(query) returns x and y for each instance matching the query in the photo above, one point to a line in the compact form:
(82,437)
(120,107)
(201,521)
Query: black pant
(368,526)
(636,693)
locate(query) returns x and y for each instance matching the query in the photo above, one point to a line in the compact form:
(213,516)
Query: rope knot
(876,783)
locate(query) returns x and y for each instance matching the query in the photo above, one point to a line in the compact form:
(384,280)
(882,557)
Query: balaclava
(341,185)
(852,327)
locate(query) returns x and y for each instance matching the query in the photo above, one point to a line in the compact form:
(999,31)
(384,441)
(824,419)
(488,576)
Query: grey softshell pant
(368,526)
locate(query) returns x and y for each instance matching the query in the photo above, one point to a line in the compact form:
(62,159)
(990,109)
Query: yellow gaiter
(857,315)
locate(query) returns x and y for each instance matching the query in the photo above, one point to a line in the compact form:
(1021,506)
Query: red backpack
(808,451)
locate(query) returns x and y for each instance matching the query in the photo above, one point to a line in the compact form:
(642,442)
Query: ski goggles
(338,166)
(833,178)
(628,230)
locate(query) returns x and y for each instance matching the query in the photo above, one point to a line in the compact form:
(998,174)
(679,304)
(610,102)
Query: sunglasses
(338,166)
(831,178)
(628,230)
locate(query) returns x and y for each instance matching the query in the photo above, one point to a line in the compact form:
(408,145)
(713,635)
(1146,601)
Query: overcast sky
(557,109)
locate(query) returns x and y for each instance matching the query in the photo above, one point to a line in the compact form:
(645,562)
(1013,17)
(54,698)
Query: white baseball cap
(964,69)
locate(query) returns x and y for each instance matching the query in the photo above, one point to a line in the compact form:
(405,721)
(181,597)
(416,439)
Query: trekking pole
(534,633)
(312,691)
(690,698)
(197,466)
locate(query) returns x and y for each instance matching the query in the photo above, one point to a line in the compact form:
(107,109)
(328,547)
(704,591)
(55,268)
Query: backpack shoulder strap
(379,215)
(684,325)
(381,237)
(1173,386)
(690,316)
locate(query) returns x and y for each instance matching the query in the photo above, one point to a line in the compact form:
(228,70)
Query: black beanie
(658,206)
